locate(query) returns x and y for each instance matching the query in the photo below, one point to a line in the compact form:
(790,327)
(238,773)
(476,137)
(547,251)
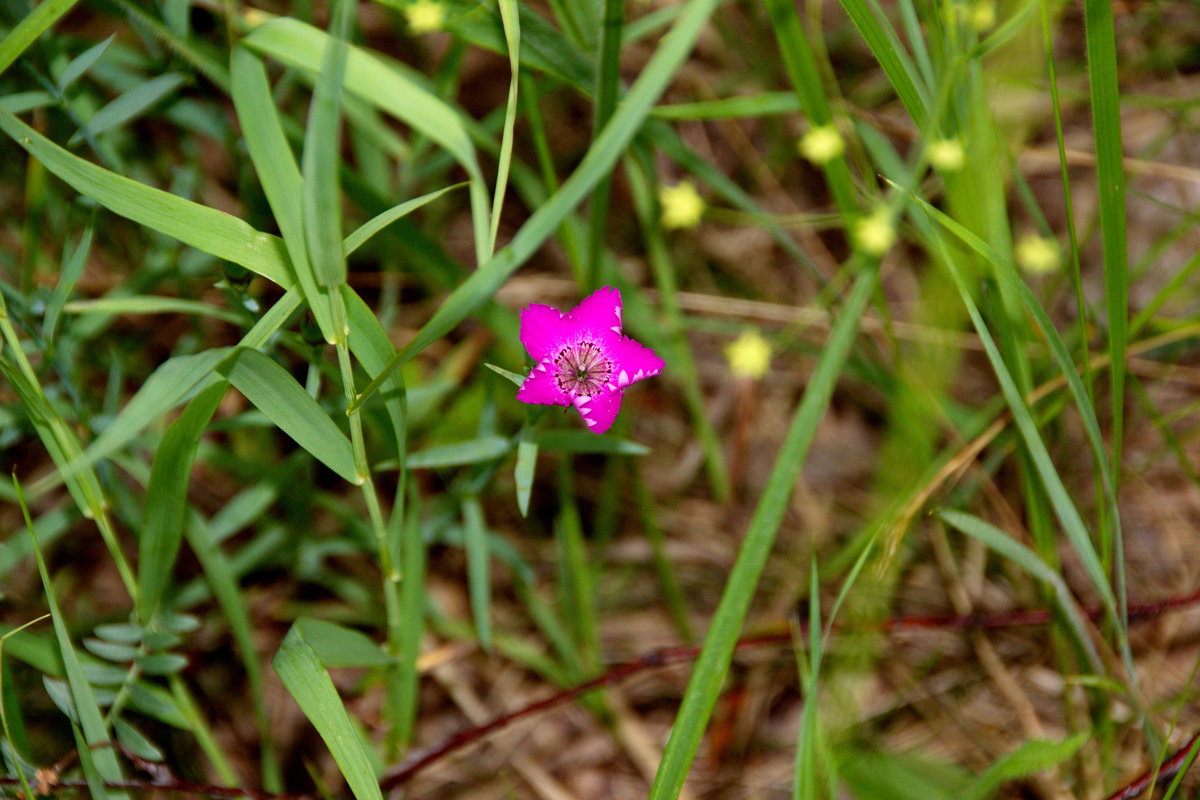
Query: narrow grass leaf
(321,199)
(277,394)
(166,498)
(103,767)
(511,20)
(380,221)
(888,50)
(221,577)
(472,451)
(1025,558)
(605,150)
(82,63)
(1110,177)
(300,669)
(511,376)
(141,304)
(763,104)
(479,582)
(204,228)
(584,442)
(523,471)
(412,611)
(72,270)
(130,105)
(713,663)
(277,171)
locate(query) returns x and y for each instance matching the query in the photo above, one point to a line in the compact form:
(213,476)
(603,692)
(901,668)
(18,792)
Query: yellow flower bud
(947,155)
(875,234)
(749,355)
(983,15)
(682,205)
(821,145)
(425,16)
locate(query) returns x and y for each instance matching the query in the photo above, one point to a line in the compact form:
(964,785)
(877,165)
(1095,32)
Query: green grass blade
(103,766)
(1110,177)
(512,39)
(38,21)
(72,270)
(527,453)
(363,233)
(298,667)
(166,498)
(713,663)
(479,583)
(604,152)
(889,51)
(608,89)
(83,62)
(140,304)
(458,454)
(412,611)
(321,196)
(221,577)
(201,227)
(277,394)
(1024,557)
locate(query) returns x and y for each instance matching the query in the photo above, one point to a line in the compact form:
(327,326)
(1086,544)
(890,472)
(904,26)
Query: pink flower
(582,358)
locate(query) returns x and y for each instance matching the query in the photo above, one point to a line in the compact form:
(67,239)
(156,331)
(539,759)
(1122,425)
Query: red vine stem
(421,759)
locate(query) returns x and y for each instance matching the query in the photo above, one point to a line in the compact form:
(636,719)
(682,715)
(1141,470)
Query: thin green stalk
(608,86)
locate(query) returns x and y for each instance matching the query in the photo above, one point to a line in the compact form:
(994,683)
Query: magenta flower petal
(542,328)
(599,311)
(636,363)
(598,412)
(541,387)
(582,358)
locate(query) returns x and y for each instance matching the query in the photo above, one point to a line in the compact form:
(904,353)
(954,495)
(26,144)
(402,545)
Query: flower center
(582,369)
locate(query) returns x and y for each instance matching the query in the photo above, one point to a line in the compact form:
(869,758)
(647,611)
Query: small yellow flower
(875,234)
(425,16)
(947,155)
(682,205)
(983,15)
(821,145)
(749,355)
(1037,255)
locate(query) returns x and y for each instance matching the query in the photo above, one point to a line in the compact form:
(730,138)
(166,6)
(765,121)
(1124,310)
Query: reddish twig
(421,759)
(1164,772)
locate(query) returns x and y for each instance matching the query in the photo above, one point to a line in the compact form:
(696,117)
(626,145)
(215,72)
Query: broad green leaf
(300,669)
(277,394)
(204,228)
(162,663)
(339,646)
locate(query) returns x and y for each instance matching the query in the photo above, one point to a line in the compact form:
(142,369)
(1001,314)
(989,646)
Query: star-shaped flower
(582,358)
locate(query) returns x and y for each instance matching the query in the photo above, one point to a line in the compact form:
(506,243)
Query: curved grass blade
(130,105)
(479,583)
